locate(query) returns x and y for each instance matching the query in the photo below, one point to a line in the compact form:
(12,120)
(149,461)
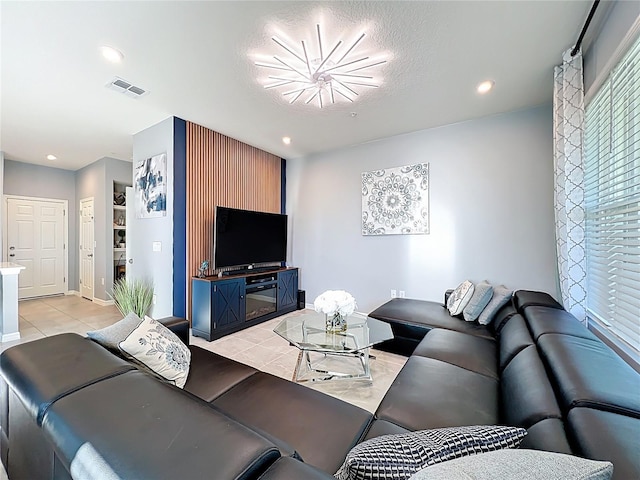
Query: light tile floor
(263,349)
(257,346)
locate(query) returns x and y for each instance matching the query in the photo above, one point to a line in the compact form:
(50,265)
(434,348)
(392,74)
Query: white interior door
(86,248)
(36,240)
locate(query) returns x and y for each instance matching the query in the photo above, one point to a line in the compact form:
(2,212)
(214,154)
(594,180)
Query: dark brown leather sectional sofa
(65,400)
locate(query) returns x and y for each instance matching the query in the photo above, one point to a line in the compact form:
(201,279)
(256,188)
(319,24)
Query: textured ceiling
(196,60)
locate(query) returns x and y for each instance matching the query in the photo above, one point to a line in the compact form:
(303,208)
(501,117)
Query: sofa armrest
(179,326)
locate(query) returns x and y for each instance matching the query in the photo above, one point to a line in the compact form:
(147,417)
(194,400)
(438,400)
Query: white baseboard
(103,303)
(73,292)
(10,337)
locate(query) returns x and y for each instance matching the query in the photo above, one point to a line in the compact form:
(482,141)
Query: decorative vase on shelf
(336,323)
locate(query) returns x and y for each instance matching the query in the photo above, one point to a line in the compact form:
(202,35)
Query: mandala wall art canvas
(395,201)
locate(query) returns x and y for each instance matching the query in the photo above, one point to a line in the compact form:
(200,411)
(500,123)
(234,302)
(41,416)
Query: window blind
(612,202)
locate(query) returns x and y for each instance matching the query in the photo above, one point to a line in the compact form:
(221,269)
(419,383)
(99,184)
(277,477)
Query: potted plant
(121,234)
(132,296)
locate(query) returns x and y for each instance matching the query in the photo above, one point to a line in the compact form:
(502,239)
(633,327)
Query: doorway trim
(65,228)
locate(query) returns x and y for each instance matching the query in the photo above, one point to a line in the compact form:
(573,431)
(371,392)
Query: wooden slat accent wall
(223,171)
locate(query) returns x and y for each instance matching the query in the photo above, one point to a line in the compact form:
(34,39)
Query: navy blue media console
(223,305)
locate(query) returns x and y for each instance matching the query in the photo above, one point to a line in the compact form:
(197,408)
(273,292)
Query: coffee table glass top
(307,332)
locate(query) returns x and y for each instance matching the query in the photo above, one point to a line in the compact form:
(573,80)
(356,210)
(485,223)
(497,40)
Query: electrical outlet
(393,294)
(401,293)
(154,298)
(102,281)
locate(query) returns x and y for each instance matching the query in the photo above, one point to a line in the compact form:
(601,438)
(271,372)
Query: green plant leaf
(133,296)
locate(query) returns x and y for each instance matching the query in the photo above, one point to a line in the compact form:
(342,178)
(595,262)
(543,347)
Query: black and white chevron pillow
(399,456)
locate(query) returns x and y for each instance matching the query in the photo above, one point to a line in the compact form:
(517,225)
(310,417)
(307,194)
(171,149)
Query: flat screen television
(245,237)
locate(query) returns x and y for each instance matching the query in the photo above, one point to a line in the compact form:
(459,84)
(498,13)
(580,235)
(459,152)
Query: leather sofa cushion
(382,427)
(514,338)
(587,373)
(466,351)
(4,420)
(543,320)
(429,393)
(321,428)
(608,436)
(427,315)
(527,395)
(502,317)
(548,434)
(527,298)
(291,469)
(210,374)
(144,428)
(179,326)
(39,372)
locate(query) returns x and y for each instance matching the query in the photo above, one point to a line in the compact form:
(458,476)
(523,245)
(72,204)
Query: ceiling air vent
(122,86)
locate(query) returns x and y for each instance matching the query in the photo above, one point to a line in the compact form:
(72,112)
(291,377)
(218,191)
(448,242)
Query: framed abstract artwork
(150,187)
(395,201)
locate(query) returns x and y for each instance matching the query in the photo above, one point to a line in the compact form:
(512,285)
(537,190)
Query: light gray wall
(491,207)
(621,17)
(1,197)
(156,266)
(45,182)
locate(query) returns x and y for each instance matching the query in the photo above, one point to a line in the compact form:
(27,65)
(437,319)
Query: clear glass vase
(336,323)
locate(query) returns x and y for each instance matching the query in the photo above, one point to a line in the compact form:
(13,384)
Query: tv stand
(227,304)
(249,271)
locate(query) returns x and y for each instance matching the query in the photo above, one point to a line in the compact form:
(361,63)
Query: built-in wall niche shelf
(119,229)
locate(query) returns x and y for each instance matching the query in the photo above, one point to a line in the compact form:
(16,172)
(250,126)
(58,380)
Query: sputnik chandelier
(321,76)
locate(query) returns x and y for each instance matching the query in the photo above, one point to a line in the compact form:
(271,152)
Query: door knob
(131,260)
(12,254)
(90,255)
(12,248)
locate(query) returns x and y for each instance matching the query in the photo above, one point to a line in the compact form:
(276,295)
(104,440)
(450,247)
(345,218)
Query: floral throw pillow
(459,298)
(160,350)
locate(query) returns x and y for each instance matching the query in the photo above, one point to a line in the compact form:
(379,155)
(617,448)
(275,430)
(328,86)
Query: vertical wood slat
(223,171)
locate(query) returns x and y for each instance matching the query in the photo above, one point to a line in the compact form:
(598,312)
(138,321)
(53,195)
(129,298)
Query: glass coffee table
(307,332)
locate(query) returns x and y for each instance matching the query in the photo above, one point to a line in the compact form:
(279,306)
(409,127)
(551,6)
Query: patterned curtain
(568,132)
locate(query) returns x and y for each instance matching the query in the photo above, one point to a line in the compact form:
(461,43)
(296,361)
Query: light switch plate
(157,246)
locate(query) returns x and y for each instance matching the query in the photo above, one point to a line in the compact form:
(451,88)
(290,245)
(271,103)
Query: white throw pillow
(460,297)
(160,350)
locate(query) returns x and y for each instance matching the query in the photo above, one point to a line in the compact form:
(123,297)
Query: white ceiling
(196,60)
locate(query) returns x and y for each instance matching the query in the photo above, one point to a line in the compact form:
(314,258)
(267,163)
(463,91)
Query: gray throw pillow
(501,295)
(480,299)
(518,465)
(109,337)
(400,456)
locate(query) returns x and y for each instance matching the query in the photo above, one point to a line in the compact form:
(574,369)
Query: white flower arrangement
(334,302)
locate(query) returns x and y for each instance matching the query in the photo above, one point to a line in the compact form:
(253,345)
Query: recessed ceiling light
(485,87)
(286,140)
(112,54)
(322,72)
(51,157)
